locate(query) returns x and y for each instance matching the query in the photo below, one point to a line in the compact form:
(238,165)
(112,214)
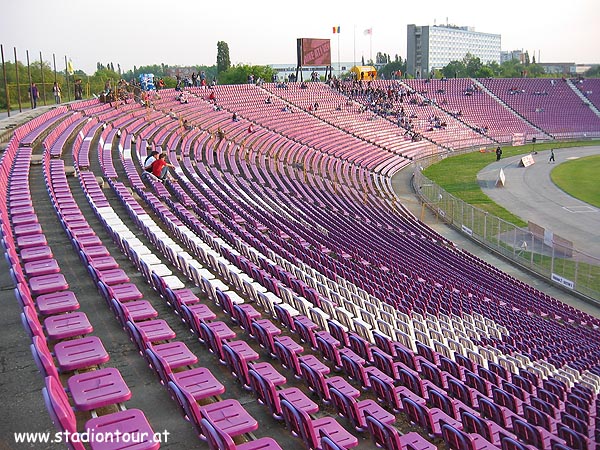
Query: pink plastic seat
(24,219)
(41,267)
(309,430)
(230,416)
(199,382)
(176,354)
(46,284)
(218,439)
(355,411)
(80,353)
(57,302)
(155,330)
(131,422)
(65,326)
(202,311)
(267,394)
(96,251)
(27,229)
(98,388)
(125,292)
(139,310)
(103,263)
(288,342)
(35,253)
(388,438)
(111,277)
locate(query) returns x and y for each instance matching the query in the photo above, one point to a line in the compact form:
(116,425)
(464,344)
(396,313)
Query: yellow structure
(364,72)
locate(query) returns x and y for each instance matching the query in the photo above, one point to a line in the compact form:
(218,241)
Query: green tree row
(471,66)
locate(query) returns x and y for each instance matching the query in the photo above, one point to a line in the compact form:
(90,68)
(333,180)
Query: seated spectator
(234,117)
(153,156)
(268,100)
(160,167)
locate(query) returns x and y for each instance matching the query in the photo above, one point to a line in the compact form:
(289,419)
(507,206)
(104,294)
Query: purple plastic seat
(125,422)
(100,263)
(35,253)
(217,439)
(457,439)
(244,314)
(198,382)
(236,355)
(27,229)
(76,354)
(360,346)
(430,419)
(498,414)
(155,330)
(391,396)
(389,438)
(24,219)
(230,416)
(111,277)
(213,334)
(45,284)
(355,411)
(131,422)
(124,292)
(30,241)
(176,354)
(137,310)
(309,430)
(98,388)
(338,332)
(328,346)
(57,302)
(288,342)
(320,386)
(306,330)
(491,431)
(96,251)
(385,362)
(265,332)
(64,326)
(267,394)
(200,311)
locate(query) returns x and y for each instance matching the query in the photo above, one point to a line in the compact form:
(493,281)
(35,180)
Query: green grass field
(458,176)
(579,178)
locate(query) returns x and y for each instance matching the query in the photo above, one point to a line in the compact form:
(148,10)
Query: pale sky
(186,32)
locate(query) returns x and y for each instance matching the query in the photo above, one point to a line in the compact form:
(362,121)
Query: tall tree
(223,61)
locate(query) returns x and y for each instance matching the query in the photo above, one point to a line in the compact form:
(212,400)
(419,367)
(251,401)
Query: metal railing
(561,264)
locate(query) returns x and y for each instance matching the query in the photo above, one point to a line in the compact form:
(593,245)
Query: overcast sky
(185,32)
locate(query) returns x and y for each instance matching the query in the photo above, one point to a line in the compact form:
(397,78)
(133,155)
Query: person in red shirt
(160,167)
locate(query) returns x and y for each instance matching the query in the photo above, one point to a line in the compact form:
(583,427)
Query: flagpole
(339,64)
(354,55)
(371,45)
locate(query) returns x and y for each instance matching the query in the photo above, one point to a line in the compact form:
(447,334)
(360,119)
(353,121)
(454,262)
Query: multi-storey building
(433,47)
